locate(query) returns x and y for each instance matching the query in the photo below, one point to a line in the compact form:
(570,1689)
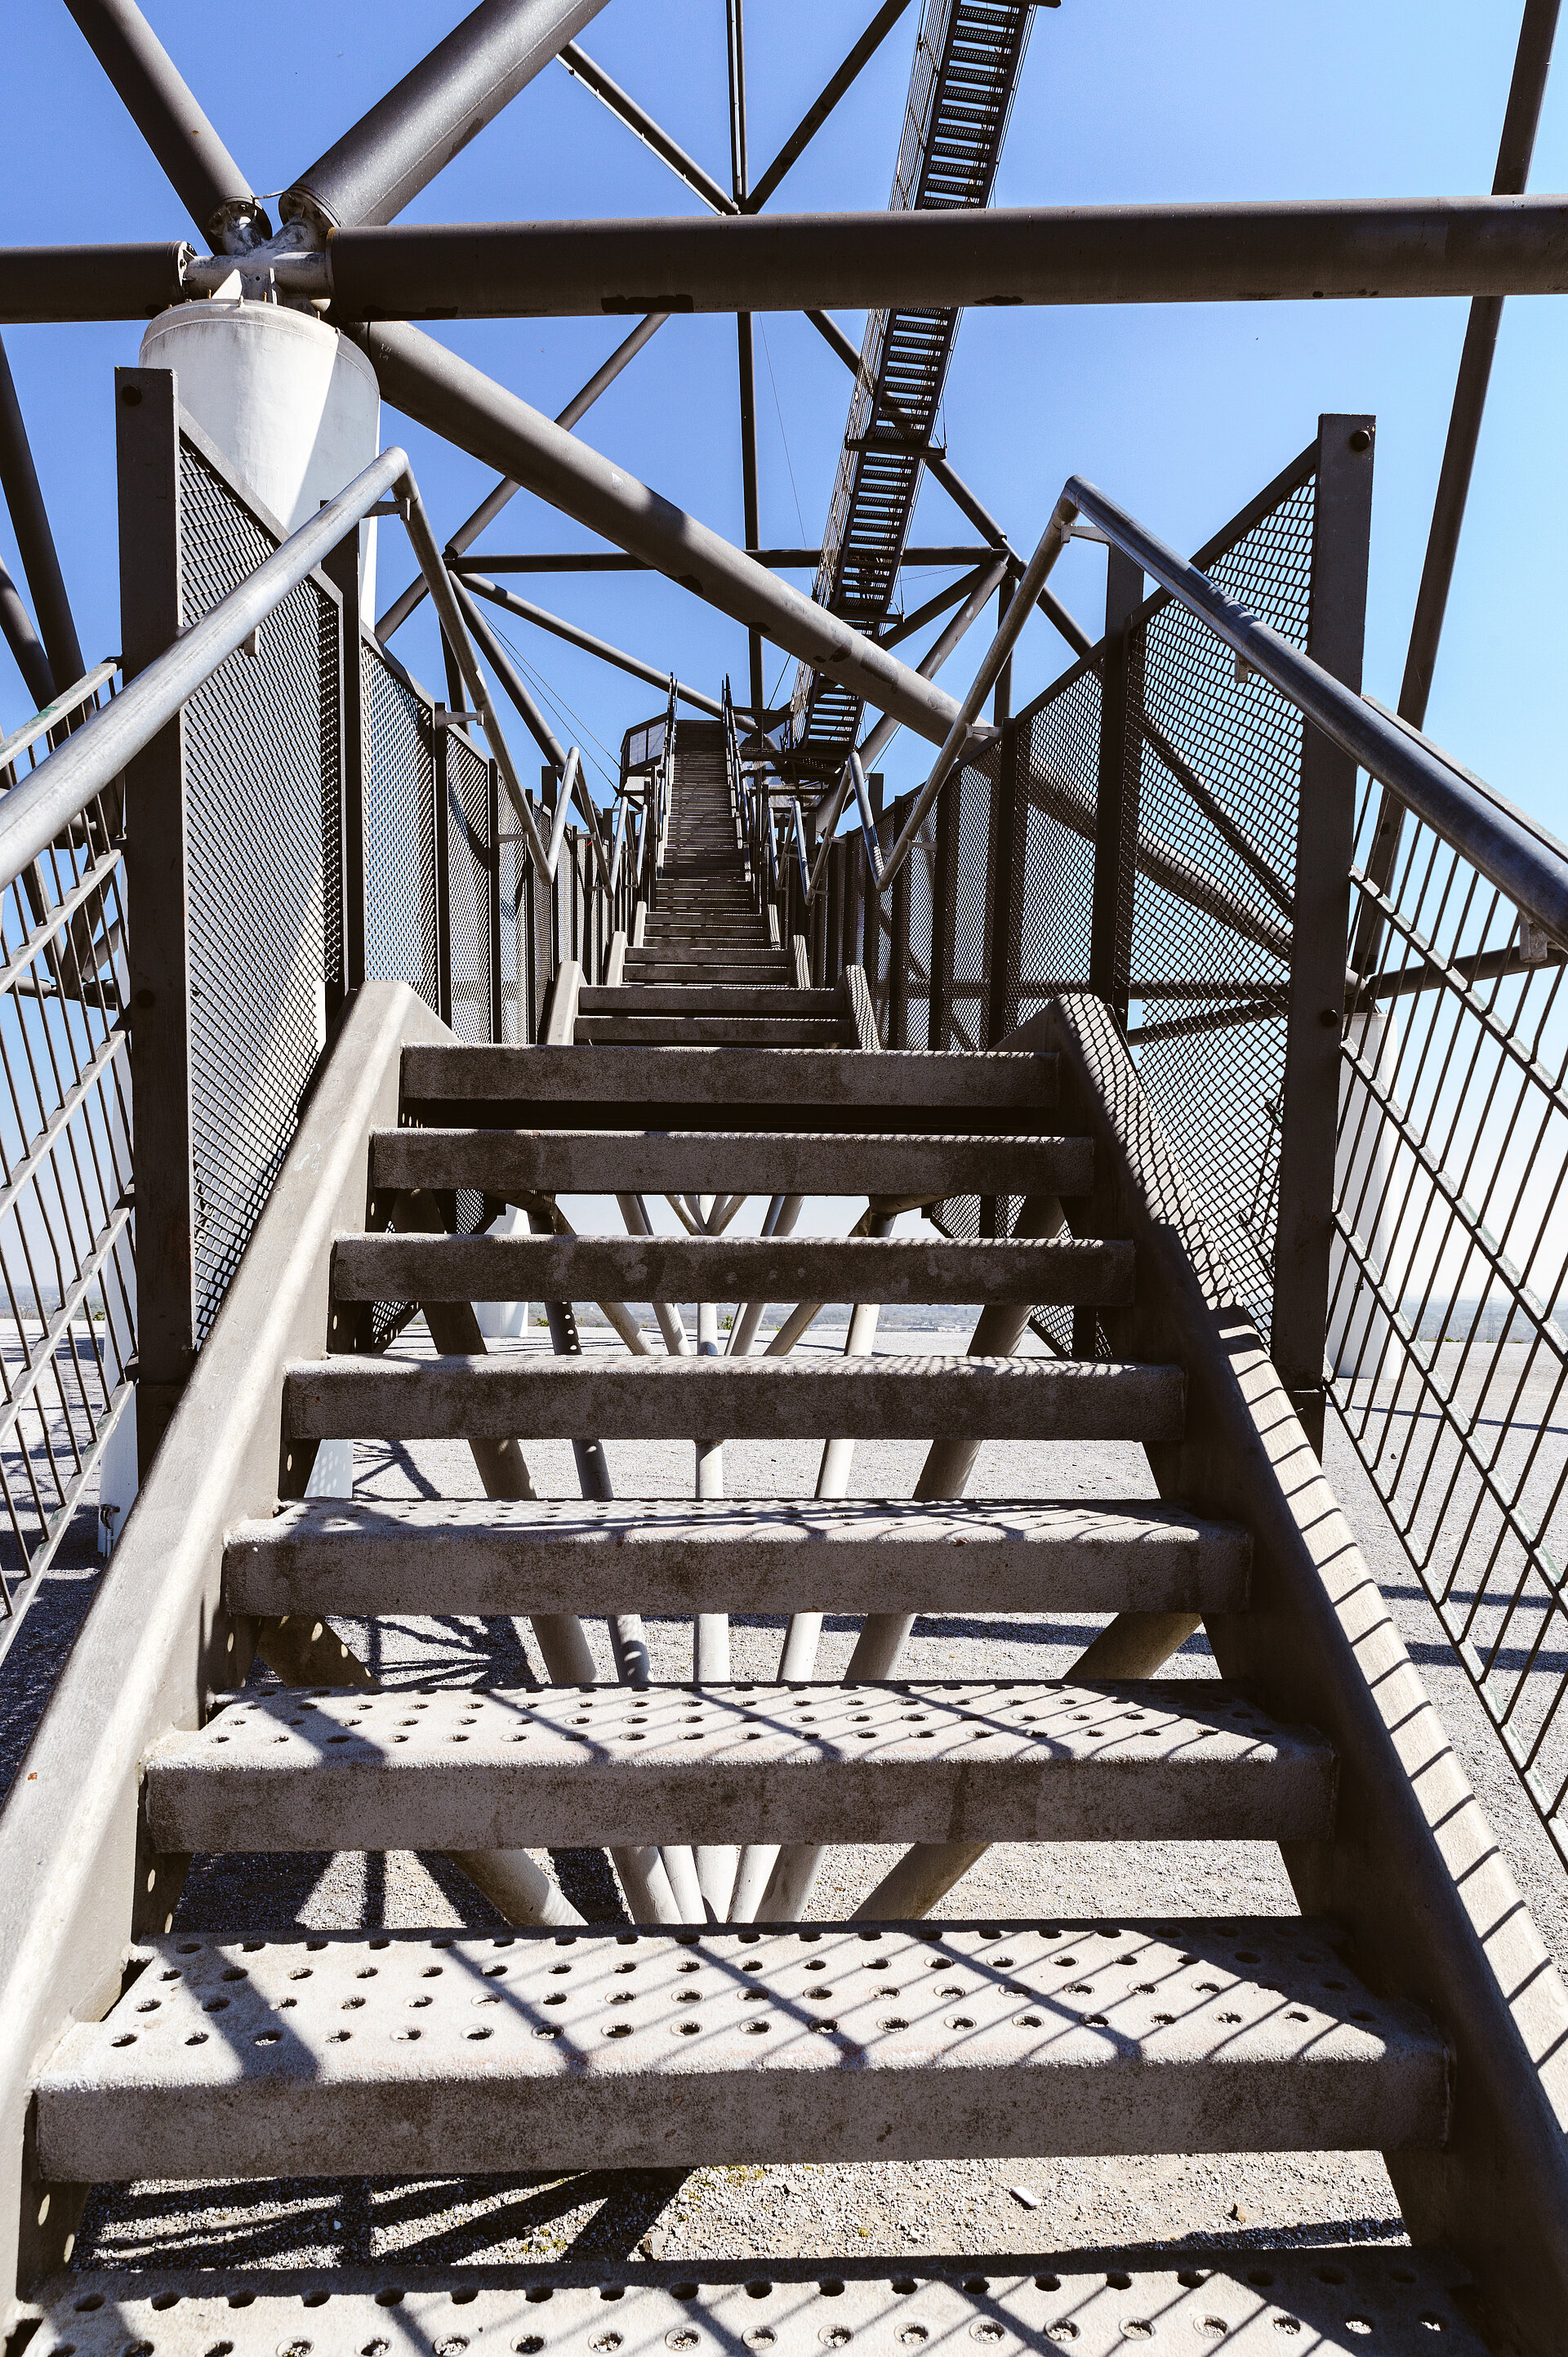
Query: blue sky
(1180,412)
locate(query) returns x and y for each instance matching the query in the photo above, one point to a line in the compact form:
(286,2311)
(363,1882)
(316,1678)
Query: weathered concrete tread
(706,998)
(590,1161)
(488,1557)
(982,1760)
(679,1032)
(609,2049)
(837,1076)
(347,1397)
(722,1269)
(1337,2301)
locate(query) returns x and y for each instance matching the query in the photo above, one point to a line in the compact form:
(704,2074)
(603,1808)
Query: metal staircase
(714,2024)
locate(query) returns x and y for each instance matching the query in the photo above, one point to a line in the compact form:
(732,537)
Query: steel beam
(413,132)
(205,177)
(448,393)
(620,103)
(574,637)
(30,522)
(817,113)
(1111,253)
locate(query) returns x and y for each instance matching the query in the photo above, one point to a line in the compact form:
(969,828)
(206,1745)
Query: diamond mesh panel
(400,834)
(468,861)
(1061,768)
(264,879)
(1219,788)
(971,904)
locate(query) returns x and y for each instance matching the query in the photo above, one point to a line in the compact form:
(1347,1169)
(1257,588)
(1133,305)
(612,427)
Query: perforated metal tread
(482,1767)
(344,1397)
(488,1557)
(1338,2301)
(761,1162)
(609,2049)
(722,1269)
(837,1076)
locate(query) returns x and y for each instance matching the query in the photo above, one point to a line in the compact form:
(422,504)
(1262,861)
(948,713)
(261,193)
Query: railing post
(1325,825)
(342,569)
(1116,823)
(944,912)
(1009,834)
(493,818)
(147,417)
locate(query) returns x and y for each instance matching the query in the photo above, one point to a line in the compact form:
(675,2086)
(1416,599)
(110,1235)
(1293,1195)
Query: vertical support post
(442,885)
(1116,816)
(1341,537)
(497,995)
(342,569)
(944,912)
(147,417)
(899,950)
(1009,833)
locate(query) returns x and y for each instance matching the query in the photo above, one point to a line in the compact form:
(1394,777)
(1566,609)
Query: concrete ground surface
(936,2207)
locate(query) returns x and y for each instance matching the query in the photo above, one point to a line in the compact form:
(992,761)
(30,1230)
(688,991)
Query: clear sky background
(1181,411)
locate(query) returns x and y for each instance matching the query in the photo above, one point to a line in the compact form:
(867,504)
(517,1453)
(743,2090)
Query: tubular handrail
(40,807)
(60,710)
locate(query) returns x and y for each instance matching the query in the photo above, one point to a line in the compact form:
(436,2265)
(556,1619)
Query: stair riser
(512,1163)
(695,998)
(710,1030)
(720,1268)
(750,1399)
(971,1085)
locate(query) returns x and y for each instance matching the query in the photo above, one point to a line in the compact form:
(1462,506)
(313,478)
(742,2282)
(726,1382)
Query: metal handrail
(83,692)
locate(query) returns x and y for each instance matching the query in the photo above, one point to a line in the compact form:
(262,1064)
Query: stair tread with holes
(347,1397)
(832,1076)
(1392,2301)
(490,1558)
(700,998)
(677,1031)
(908,1269)
(468,1769)
(343,2055)
(512,1163)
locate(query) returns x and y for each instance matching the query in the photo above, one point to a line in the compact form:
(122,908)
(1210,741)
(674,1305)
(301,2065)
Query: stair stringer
(1414,1870)
(79,1881)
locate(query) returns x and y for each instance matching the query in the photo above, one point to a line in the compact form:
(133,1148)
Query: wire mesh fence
(67,1286)
(1445,1346)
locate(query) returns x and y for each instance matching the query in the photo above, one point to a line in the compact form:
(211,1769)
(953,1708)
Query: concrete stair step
(489,1558)
(347,1398)
(675,1030)
(909,1270)
(514,1163)
(1337,2301)
(675,973)
(344,2056)
(698,998)
(509,1077)
(466,1768)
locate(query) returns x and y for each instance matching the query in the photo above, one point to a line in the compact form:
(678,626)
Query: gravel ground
(958,2207)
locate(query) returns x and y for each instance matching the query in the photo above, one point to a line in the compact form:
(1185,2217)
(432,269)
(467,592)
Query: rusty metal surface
(496,1556)
(454,1767)
(605,2048)
(1333,2302)
(344,1397)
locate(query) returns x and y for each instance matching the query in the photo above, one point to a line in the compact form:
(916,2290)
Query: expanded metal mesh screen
(400,935)
(469,868)
(972,935)
(68,1288)
(1448,1352)
(1215,791)
(1059,764)
(263,792)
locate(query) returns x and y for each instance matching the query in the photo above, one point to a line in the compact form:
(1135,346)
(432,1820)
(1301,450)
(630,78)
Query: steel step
(1333,2301)
(347,1398)
(488,1559)
(713,1030)
(509,1163)
(706,998)
(726,1268)
(729,1076)
(612,2048)
(468,1769)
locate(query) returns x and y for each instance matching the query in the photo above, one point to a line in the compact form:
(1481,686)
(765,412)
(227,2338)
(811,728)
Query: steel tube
(92,282)
(817,113)
(1495,838)
(205,177)
(576,636)
(928,259)
(495,654)
(45,804)
(431,113)
(636,119)
(422,377)
(489,507)
(35,541)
